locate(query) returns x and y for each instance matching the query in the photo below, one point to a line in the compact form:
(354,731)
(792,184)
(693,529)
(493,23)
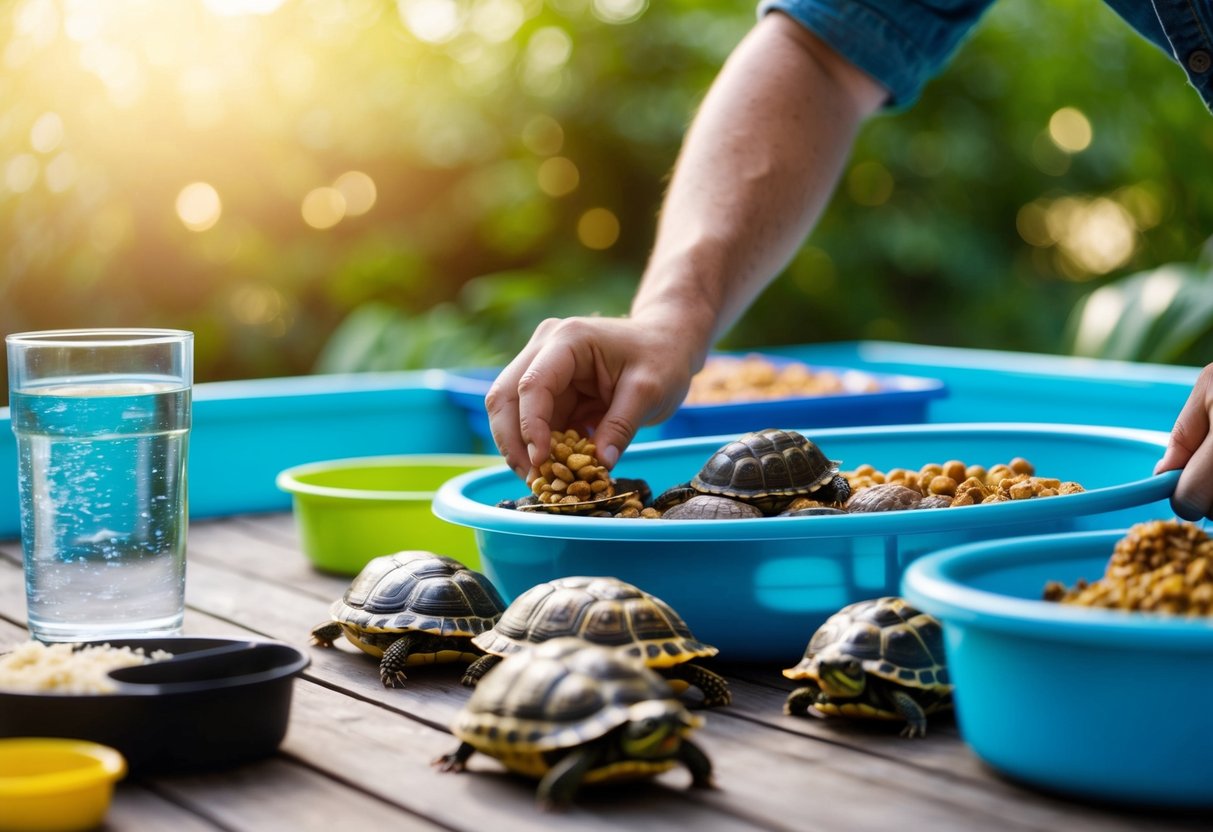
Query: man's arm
(756,169)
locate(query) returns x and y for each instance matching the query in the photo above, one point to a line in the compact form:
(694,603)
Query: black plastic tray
(217,702)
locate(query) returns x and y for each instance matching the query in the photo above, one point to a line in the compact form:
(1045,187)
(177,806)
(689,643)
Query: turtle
(609,612)
(767,469)
(875,659)
(412,608)
(711,507)
(569,713)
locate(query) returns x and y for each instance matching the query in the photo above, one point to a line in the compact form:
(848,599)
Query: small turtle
(877,659)
(568,712)
(711,507)
(767,469)
(413,608)
(609,612)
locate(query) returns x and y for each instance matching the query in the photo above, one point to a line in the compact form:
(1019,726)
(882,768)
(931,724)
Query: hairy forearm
(755,172)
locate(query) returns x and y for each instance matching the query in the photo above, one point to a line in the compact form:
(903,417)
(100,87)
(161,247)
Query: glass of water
(102,419)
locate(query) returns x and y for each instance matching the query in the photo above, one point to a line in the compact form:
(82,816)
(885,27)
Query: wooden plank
(391,757)
(137,809)
(237,548)
(279,794)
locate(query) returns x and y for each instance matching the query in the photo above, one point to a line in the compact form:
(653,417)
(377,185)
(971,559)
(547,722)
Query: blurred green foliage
(177,164)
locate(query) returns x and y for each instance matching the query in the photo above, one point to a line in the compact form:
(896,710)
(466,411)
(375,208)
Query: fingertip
(608,456)
(532,454)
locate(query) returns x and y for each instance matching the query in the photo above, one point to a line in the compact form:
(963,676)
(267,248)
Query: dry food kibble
(962,484)
(572,473)
(755,378)
(1159,566)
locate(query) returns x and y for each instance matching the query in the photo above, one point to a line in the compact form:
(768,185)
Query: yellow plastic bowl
(56,785)
(349,511)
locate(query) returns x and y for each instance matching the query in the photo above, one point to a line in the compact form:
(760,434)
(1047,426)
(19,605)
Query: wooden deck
(357,756)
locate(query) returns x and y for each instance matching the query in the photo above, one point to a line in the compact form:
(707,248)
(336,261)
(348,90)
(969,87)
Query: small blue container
(898,400)
(1101,704)
(758,588)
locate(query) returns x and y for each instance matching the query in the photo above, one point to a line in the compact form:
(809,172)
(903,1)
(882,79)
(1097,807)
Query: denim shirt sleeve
(902,44)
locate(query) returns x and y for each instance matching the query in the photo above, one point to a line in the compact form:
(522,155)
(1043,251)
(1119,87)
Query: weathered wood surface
(358,755)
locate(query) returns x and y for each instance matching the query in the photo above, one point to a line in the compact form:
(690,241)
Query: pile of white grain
(34,667)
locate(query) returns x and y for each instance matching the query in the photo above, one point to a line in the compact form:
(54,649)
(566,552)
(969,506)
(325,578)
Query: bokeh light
(358,191)
(619,11)
(199,206)
(323,208)
(598,229)
(558,176)
(47,133)
(1070,130)
(870,183)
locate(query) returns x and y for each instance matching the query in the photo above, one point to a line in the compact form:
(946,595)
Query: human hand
(1191,448)
(605,376)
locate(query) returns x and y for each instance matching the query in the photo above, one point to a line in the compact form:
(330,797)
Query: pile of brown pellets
(953,483)
(572,473)
(1159,566)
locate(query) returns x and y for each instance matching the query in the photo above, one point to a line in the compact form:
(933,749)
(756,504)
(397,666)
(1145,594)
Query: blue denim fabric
(905,43)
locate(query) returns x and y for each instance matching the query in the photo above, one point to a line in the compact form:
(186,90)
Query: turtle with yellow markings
(413,608)
(609,612)
(876,659)
(569,713)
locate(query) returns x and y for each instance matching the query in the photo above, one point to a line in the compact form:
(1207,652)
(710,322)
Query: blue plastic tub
(899,400)
(1100,704)
(245,432)
(782,577)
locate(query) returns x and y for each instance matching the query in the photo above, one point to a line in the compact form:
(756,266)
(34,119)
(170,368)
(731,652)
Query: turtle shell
(767,468)
(559,695)
(711,507)
(893,641)
(604,611)
(421,592)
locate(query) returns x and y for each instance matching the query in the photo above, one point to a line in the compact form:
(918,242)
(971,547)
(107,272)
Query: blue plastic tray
(789,574)
(1101,704)
(900,400)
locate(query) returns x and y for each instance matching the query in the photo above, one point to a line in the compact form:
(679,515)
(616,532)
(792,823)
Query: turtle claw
(450,762)
(912,730)
(393,680)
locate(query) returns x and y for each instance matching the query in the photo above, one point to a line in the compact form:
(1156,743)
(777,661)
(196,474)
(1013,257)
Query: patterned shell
(419,591)
(605,611)
(892,639)
(562,694)
(778,463)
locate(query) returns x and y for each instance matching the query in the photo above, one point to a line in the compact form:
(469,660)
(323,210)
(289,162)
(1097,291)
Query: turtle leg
(916,719)
(325,634)
(457,760)
(478,668)
(559,786)
(391,666)
(697,763)
(713,686)
(800,700)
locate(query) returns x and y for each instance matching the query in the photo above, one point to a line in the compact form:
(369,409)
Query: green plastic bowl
(349,511)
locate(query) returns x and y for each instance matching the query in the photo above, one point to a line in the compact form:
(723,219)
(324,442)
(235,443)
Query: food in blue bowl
(758,588)
(742,393)
(1102,704)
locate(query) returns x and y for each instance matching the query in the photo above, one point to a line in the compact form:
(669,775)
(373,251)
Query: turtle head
(655,730)
(840,675)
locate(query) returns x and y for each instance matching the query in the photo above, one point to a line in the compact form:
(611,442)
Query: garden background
(349,185)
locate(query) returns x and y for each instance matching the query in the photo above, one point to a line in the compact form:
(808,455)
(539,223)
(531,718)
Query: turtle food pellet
(1159,566)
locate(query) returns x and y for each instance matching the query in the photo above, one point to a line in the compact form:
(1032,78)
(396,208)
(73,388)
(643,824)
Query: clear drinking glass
(102,419)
